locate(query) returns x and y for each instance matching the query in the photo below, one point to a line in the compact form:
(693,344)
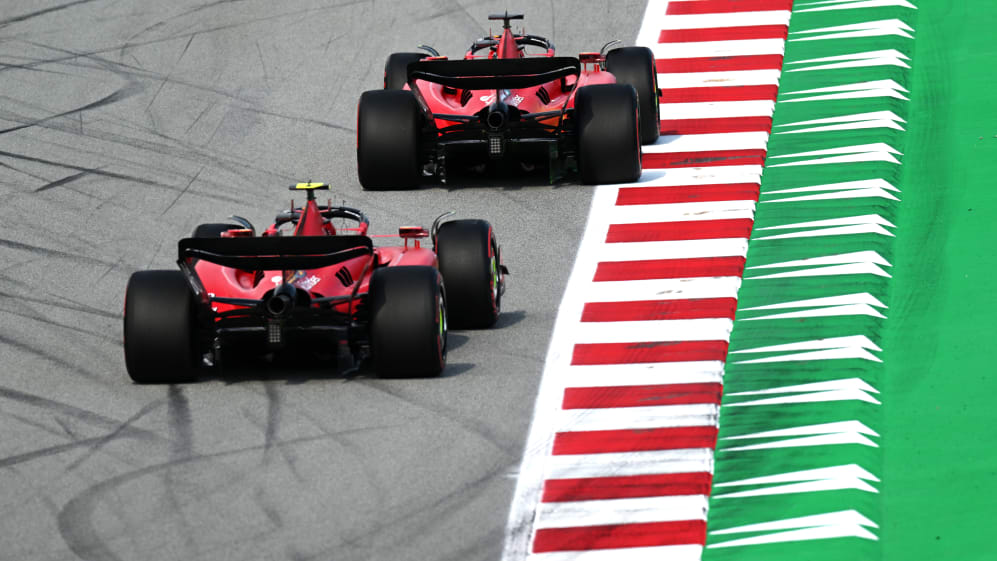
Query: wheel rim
(441,320)
(495,278)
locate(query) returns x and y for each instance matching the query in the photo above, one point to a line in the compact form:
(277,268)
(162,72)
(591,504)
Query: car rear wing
(493,73)
(273,253)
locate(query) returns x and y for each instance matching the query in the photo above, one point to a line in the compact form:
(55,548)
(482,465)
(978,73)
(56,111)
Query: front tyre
(408,324)
(396,69)
(159,328)
(635,66)
(608,136)
(388,125)
(469,261)
(213,230)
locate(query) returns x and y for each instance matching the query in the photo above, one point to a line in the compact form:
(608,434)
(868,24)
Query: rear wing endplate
(494,73)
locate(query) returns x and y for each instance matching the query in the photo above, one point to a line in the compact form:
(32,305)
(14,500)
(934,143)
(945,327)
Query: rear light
(496,145)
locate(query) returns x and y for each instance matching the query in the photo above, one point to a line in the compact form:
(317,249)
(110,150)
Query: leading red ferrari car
(313,288)
(588,114)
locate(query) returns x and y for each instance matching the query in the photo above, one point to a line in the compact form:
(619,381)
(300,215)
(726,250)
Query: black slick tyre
(388,123)
(396,69)
(469,261)
(635,66)
(212,230)
(608,138)
(408,322)
(159,328)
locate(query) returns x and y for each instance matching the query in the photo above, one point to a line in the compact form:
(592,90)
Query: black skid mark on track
(465,422)
(44,354)
(63,181)
(181,448)
(25,17)
(180,423)
(75,306)
(274,415)
(76,413)
(95,171)
(35,316)
(422,516)
(95,447)
(183,192)
(75,519)
(47,451)
(122,93)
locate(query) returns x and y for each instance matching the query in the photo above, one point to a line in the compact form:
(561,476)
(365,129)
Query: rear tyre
(408,324)
(213,230)
(469,261)
(388,123)
(159,328)
(396,69)
(635,66)
(608,141)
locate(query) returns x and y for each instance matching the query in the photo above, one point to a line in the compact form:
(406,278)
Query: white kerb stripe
(736,19)
(685,249)
(621,464)
(696,176)
(738,47)
(674,212)
(764,77)
(647,374)
(755,140)
(621,511)
(651,331)
(662,289)
(716,109)
(658,553)
(638,214)
(651,417)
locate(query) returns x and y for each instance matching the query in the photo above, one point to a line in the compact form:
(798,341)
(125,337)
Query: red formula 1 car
(318,288)
(588,114)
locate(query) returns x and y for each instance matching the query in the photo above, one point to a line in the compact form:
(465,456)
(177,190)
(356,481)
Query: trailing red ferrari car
(313,287)
(588,114)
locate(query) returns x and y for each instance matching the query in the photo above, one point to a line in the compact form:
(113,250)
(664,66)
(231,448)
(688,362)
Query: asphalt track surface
(123,124)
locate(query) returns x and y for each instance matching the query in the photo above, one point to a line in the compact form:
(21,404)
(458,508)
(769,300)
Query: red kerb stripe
(726,6)
(697,267)
(723,33)
(718,64)
(679,231)
(616,536)
(687,194)
(754,157)
(650,351)
(719,93)
(656,485)
(641,396)
(649,310)
(633,440)
(713,126)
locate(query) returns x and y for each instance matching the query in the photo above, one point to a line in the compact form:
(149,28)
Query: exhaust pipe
(498,116)
(281,302)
